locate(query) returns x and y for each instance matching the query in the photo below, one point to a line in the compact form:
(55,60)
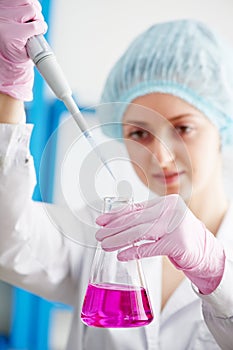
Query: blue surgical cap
(183,58)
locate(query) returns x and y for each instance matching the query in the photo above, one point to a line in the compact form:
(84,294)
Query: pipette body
(44,59)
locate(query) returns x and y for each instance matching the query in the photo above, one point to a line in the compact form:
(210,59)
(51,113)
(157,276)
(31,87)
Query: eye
(139,135)
(183,129)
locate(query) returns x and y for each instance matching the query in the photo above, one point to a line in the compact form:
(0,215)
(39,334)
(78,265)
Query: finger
(120,240)
(178,211)
(33,28)
(172,208)
(117,224)
(128,254)
(16,2)
(22,13)
(128,218)
(121,234)
(131,236)
(164,246)
(104,219)
(145,250)
(150,224)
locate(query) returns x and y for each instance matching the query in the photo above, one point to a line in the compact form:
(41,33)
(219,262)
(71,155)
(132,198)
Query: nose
(162,152)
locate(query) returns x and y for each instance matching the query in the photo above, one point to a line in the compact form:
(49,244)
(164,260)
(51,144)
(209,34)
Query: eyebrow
(175,118)
(180,116)
(135,122)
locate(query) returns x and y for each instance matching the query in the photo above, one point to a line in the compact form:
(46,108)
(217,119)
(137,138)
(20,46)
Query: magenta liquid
(111,305)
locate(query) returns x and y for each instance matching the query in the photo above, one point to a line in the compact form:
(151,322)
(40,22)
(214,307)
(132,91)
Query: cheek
(205,162)
(140,158)
(137,152)
(141,173)
(205,165)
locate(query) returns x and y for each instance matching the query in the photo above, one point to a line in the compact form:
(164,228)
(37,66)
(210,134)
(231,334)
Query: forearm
(11,110)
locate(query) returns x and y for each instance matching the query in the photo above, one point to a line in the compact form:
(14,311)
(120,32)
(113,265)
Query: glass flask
(116,295)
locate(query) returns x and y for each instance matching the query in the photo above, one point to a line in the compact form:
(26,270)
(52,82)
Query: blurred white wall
(88,36)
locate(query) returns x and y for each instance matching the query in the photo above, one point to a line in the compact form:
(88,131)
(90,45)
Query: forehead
(159,107)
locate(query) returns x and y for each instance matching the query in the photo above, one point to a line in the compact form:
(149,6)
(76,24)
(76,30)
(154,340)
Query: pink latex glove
(19,20)
(165,226)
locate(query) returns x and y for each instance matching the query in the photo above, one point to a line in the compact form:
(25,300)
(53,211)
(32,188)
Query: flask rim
(110,201)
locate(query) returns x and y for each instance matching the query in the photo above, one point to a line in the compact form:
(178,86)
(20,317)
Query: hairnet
(181,57)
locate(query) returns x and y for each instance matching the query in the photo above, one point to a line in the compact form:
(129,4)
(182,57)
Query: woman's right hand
(19,20)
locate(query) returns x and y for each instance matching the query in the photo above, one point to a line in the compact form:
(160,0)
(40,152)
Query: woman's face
(173,147)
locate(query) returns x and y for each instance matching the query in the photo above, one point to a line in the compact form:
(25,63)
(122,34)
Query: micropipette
(44,59)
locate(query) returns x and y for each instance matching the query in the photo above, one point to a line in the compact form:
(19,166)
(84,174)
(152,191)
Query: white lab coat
(37,254)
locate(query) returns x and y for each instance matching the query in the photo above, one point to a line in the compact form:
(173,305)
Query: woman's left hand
(165,226)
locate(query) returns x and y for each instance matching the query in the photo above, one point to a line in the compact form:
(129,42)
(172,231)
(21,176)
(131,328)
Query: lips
(168,177)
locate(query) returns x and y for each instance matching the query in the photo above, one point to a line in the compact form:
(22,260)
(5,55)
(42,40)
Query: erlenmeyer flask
(116,295)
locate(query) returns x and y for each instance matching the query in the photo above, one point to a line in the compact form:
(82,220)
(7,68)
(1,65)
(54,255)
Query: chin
(184,193)
(165,191)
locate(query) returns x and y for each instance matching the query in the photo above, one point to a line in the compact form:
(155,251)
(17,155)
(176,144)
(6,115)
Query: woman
(169,73)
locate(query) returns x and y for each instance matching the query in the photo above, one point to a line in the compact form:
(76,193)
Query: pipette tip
(108,168)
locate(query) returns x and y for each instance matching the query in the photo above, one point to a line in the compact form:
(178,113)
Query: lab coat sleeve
(218,307)
(34,255)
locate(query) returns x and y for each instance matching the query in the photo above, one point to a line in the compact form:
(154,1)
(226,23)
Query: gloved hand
(165,226)
(19,20)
